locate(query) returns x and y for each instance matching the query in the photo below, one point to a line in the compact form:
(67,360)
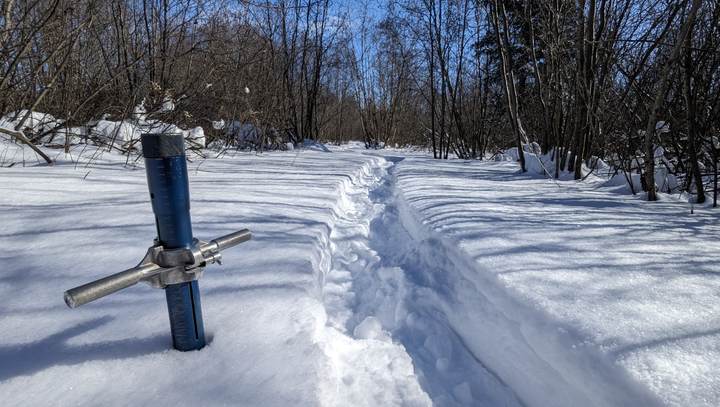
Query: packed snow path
(372,279)
(382,279)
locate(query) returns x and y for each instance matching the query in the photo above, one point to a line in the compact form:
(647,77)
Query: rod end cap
(162,145)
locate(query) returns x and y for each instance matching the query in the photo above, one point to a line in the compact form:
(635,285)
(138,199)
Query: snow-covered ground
(372,279)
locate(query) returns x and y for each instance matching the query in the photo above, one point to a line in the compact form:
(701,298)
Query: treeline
(634,83)
(583,80)
(274,65)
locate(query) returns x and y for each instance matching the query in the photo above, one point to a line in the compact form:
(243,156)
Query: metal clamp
(159,268)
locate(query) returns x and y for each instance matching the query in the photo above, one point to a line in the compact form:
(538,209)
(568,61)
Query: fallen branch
(20,136)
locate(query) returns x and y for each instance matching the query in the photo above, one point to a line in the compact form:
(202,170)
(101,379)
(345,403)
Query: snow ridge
(528,350)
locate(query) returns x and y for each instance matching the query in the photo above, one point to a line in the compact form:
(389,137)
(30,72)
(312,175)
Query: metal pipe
(99,288)
(232,239)
(169,189)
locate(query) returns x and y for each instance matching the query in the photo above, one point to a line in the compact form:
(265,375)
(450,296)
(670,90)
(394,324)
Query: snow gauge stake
(176,260)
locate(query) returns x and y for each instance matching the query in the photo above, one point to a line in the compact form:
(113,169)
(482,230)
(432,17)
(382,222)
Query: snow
(619,296)
(373,278)
(120,132)
(36,122)
(245,133)
(371,328)
(123,134)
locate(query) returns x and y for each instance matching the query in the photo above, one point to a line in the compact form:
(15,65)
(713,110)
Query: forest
(631,83)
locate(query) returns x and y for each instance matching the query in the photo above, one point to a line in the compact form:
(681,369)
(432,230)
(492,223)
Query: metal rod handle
(99,288)
(232,239)
(83,294)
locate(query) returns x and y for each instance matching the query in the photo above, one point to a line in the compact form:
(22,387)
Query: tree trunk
(659,96)
(503,43)
(432,79)
(690,114)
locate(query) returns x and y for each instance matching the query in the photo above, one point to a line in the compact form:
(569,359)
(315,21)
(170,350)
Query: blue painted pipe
(167,179)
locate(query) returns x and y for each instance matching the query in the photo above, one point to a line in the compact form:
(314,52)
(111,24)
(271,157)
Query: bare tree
(651,128)
(499,19)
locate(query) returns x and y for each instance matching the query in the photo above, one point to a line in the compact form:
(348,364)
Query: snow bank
(126,133)
(313,146)
(123,134)
(572,295)
(253,135)
(37,123)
